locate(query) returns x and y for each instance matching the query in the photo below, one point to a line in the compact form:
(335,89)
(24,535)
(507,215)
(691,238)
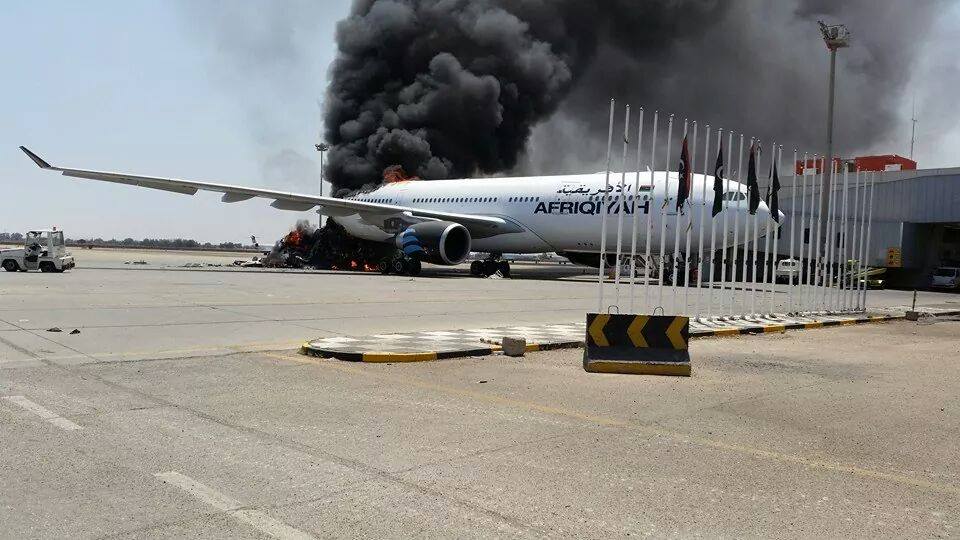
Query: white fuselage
(564,213)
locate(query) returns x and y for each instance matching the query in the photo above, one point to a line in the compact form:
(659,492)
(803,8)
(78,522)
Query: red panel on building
(888,162)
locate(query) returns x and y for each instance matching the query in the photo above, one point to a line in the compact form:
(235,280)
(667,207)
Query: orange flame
(395,173)
(293,238)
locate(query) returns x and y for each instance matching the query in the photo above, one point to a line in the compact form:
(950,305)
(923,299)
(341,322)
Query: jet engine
(437,242)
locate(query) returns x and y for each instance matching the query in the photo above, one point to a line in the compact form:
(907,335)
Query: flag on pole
(753,187)
(683,172)
(718,183)
(773,198)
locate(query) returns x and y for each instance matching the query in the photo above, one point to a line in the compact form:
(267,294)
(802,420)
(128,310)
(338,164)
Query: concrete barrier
(641,344)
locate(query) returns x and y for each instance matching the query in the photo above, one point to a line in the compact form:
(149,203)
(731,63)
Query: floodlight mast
(835,37)
(322,147)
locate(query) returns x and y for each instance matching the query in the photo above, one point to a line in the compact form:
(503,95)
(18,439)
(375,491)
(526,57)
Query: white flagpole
(835,255)
(804,277)
(793,234)
(854,271)
(621,199)
(831,236)
(603,212)
(746,229)
(767,225)
(865,268)
(663,208)
(842,252)
(675,266)
(814,247)
(686,254)
(827,267)
(724,257)
(713,227)
(634,199)
(815,291)
(768,255)
(776,237)
(756,239)
(703,207)
(828,222)
(861,205)
(647,263)
(873,186)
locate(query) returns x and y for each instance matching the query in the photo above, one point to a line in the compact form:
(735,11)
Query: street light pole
(322,148)
(836,37)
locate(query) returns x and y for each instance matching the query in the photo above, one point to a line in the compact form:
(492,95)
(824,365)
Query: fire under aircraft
(442,221)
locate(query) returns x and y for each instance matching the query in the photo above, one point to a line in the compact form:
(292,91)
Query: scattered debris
(75,331)
(483,382)
(327,248)
(54,329)
(140,262)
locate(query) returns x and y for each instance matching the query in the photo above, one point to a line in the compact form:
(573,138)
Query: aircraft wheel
(398,266)
(476,268)
(47,267)
(10,265)
(504,268)
(414,267)
(489,268)
(383,266)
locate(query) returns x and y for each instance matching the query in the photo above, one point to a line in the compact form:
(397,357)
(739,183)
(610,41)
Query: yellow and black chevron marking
(638,331)
(647,344)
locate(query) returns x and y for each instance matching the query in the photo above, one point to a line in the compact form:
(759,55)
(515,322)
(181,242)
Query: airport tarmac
(161,309)
(840,432)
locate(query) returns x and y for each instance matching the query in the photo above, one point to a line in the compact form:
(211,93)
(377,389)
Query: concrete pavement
(163,310)
(840,432)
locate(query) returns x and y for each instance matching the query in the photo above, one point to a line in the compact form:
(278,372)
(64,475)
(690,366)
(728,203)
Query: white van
(946,277)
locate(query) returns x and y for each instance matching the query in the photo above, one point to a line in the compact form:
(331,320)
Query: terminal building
(916,215)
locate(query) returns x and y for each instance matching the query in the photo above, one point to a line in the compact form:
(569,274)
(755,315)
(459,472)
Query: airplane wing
(480,226)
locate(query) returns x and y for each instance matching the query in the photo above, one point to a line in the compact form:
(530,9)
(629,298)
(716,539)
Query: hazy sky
(230,92)
(161,88)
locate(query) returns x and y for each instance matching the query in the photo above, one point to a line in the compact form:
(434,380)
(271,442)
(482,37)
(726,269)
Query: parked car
(946,277)
(788,271)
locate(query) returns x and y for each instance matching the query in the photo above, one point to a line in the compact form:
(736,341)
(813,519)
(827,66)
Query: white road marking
(43,413)
(254,518)
(341,339)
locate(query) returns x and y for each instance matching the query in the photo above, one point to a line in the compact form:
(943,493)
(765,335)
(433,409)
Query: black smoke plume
(453,88)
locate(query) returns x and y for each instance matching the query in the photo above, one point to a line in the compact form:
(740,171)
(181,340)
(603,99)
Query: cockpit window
(734,196)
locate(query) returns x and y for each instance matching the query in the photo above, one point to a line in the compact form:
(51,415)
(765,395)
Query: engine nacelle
(438,242)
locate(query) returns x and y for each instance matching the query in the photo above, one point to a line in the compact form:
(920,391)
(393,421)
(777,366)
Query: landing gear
(413,267)
(488,267)
(401,265)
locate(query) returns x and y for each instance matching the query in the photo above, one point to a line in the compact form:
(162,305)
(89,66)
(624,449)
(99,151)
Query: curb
(486,350)
(780,328)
